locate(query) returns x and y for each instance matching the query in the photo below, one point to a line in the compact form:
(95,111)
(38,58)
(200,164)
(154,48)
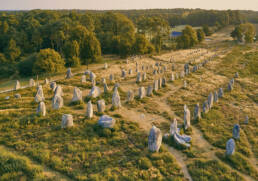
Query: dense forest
(33,41)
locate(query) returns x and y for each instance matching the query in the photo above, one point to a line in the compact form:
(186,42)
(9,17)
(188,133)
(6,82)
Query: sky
(127,4)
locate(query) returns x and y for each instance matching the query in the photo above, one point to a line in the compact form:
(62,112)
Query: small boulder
(94,92)
(69,73)
(67,121)
(106,121)
(77,95)
(236,131)
(230,147)
(57,102)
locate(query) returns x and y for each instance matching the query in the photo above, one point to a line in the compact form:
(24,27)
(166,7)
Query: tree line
(40,41)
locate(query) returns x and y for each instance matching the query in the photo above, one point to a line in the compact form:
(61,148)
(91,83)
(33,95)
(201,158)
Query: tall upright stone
(185,84)
(123,73)
(105,66)
(57,102)
(230,86)
(139,77)
(221,93)
(53,86)
(41,109)
(106,89)
(236,75)
(32,83)
(160,82)
(164,82)
(236,131)
(111,78)
(150,90)
(89,112)
(94,92)
(130,96)
(39,95)
(130,71)
(116,103)
(69,73)
(187,117)
(17,85)
(205,107)
(172,77)
(216,98)
(230,147)
(46,82)
(156,85)
(173,128)
(77,95)
(144,76)
(67,121)
(154,139)
(141,92)
(58,91)
(182,74)
(246,119)
(197,112)
(92,76)
(101,105)
(210,100)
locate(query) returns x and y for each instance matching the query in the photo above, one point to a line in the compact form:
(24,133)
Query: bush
(48,61)
(145,163)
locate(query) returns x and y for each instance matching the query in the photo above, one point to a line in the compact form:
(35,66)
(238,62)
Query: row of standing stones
(155,135)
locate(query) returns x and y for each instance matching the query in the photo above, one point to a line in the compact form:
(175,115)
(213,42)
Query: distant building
(175,34)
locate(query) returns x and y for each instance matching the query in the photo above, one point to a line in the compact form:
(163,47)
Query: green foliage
(206,30)
(145,163)
(244,32)
(12,52)
(200,35)
(188,38)
(48,61)
(25,66)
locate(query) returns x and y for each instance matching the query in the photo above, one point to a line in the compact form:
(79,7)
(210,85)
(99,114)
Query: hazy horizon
(127,4)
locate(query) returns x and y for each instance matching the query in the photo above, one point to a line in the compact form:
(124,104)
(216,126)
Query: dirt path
(47,172)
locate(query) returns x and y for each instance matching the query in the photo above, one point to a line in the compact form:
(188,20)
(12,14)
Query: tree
(71,51)
(12,52)
(237,34)
(200,35)
(48,61)
(206,30)
(141,44)
(188,38)
(244,32)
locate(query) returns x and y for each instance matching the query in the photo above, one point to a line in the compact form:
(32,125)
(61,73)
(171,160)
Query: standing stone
(123,73)
(130,72)
(187,117)
(58,91)
(230,86)
(232,81)
(83,79)
(53,86)
(150,90)
(77,95)
(185,84)
(116,103)
(111,78)
(220,95)
(94,92)
(92,76)
(105,66)
(32,83)
(156,85)
(164,82)
(39,95)
(236,75)
(210,100)
(173,67)
(144,76)
(246,119)
(57,102)
(106,121)
(139,77)
(101,105)
(182,74)
(67,121)
(106,89)
(155,139)
(177,76)
(197,112)
(130,96)
(173,128)
(154,72)
(141,92)
(89,112)
(142,67)
(160,83)
(46,82)
(69,73)
(41,110)
(216,99)
(230,147)
(236,131)
(195,68)
(205,107)
(17,85)
(172,77)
